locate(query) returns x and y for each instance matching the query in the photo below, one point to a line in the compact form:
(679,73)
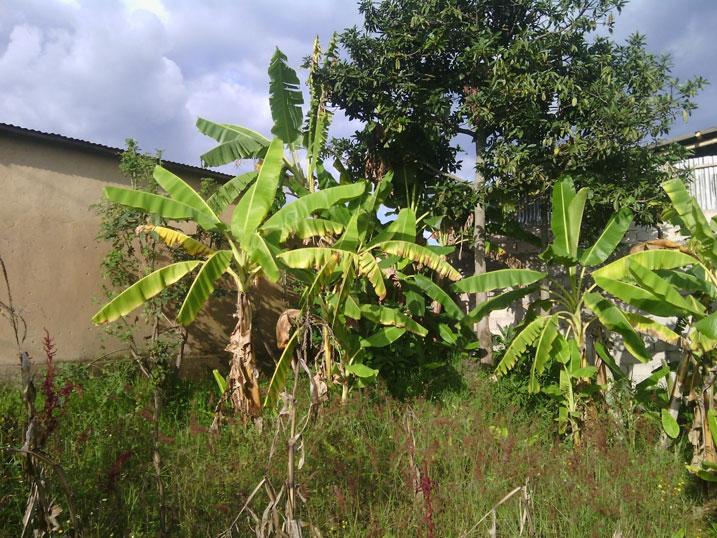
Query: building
(47,184)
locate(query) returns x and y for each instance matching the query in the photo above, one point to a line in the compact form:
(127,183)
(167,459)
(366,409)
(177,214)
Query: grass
(359,477)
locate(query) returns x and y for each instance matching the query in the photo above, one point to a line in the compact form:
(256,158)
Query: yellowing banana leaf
(312,257)
(520,343)
(609,239)
(285,99)
(311,203)
(436,293)
(651,259)
(255,204)
(384,315)
(652,328)
(614,319)
(313,227)
(203,285)
(143,290)
(181,192)
(420,255)
(225,195)
(173,238)
(235,143)
(369,266)
(494,280)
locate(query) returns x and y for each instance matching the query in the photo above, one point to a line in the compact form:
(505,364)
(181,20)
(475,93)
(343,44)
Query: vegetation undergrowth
(367,468)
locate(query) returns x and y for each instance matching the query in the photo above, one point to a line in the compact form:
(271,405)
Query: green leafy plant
(560,335)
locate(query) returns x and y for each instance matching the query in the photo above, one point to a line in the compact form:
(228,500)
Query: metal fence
(704,183)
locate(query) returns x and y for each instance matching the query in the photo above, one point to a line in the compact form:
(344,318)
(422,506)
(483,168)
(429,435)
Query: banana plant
(666,280)
(254,234)
(558,329)
(364,254)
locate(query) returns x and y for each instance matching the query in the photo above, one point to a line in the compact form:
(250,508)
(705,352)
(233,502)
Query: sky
(107,70)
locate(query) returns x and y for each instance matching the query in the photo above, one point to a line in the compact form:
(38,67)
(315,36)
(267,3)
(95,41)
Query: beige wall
(53,260)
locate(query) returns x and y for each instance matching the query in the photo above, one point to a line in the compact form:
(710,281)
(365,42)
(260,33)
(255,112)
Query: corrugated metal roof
(101,148)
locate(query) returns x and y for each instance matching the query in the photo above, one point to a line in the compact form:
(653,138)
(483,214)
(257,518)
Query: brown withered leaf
(284,324)
(657,244)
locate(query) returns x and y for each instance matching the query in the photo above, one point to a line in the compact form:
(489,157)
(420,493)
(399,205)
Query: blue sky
(106,70)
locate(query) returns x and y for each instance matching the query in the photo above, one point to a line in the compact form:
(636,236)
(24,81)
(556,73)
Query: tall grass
(365,464)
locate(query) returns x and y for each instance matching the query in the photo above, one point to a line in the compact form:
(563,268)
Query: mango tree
(560,334)
(667,280)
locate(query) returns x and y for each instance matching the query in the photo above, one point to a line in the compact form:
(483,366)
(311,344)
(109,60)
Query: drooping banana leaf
(255,204)
(151,203)
(436,293)
(312,257)
(369,266)
(614,320)
(708,326)
(543,352)
(651,259)
(285,99)
(313,227)
(182,192)
(384,315)
(637,297)
(203,285)
(652,328)
(609,239)
(693,280)
(422,255)
(383,337)
(173,238)
(235,143)
(499,302)
(401,229)
(143,290)
(494,280)
(528,336)
(260,253)
(662,289)
(225,195)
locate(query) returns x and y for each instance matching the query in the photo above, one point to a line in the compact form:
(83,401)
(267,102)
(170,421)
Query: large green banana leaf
(384,315)
(494,280)
(708,326)
(311,203)
(436,293)
(422,255)
(255,204)
(520,343)
(225,195)
(151,203)
(614,320)
(260,253)
(401,229)
(203,285)
(499,302)
(181,192)
(543,352)
(693,280)
(638,297)
(383,337)
(662,289)
(651,259)
(143,290)
(609,239)
(235,143)
(174,238)
(285,99)
(567,217)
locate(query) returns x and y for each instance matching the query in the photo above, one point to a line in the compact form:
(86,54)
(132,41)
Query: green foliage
(547,94)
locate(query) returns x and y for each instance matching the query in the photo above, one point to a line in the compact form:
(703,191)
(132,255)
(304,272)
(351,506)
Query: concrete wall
(53,260)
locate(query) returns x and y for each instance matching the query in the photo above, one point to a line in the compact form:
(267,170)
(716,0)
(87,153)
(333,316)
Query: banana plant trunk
(243,382)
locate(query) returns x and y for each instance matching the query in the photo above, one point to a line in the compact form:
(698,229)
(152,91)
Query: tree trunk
(243,382)
(482,328)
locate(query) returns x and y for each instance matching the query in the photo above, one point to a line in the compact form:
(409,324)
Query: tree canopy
(540,84)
